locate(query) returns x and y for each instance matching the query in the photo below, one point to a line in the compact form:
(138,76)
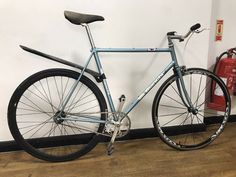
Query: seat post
(89,35)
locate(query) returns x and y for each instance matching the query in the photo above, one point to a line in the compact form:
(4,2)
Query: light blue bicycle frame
(130,50)
(94,53)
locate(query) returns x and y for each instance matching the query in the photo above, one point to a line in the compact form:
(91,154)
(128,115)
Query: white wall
(40,24)
(223,10)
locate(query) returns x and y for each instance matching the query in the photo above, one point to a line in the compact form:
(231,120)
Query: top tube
(131,50)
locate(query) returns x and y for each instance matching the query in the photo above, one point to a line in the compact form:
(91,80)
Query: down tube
(145,92)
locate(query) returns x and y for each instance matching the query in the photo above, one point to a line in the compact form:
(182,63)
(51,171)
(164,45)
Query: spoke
(197,119)
(89,108)
(220,106)
(61,88)
(191,86)
(64,90)
(175,90)
(52,130)
(33,126)
(49,100)
(29,126)
(50,97)
(166,115)
(206,100)
(74,104)
(75,125)
(187,116)
(200,119)
(32,110)
(199,90)
(38,129)
(202,134)
(48,132)
(174,119)
(28,114)
(191,119)
(203,103)
(191,135)
(36,110)
(70,127)
(83,104)
(65,131)
(35,87)
(173,99)
(172,106)
(202,92)
(68,108)
(46,101)
(57,91)
(26,122)
(66,148)
(60,129)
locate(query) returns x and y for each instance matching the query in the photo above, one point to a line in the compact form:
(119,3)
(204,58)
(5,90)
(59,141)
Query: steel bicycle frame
(130,50)
(173,64)
(101,75)
(95,51)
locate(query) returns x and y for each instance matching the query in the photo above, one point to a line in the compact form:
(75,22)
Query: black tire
(36,128)
(182,128)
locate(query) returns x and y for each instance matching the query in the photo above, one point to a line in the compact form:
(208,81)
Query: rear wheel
(186,129)
(34,121)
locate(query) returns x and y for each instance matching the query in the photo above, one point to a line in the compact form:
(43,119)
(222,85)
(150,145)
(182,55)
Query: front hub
(58,117)
(193,111)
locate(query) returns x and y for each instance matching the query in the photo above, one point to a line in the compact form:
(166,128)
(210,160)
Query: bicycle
(59,114)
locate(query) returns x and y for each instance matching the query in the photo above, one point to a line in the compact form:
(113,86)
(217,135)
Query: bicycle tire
(38,98)
(190,130)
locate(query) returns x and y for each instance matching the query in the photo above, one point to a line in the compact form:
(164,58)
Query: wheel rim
(188,129)
(39,124)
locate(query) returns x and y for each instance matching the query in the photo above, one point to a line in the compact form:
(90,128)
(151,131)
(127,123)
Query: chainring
(123,123)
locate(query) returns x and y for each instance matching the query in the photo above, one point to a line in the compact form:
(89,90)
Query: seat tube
(104,81)
(100,69)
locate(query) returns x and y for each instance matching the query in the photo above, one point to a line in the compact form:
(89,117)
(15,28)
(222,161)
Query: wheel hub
(194,111)
(58,117)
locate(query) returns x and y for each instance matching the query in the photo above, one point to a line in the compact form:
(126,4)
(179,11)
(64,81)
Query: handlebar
(173,35)
(195,27)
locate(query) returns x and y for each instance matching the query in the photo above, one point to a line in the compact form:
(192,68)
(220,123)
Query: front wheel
(186,129)
(41,128)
